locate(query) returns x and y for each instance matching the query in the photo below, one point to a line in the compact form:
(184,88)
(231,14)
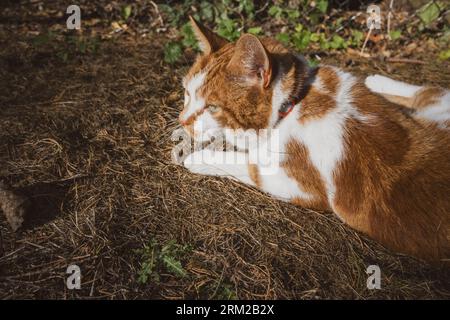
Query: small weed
(218,290)
(66,46)
(444,55)
(429,13)
(225,292)
(172,52)
(395,34)
(156,258)
(126,12)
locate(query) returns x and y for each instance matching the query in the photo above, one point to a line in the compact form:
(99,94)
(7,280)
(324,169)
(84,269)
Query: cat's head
(230,86)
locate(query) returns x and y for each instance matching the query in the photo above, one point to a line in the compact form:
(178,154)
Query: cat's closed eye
(213,108)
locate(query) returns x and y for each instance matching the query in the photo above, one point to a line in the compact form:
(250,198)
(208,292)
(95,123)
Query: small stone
(13,205)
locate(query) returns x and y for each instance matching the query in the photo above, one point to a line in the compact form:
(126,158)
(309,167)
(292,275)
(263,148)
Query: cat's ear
(209,42)
(251,61)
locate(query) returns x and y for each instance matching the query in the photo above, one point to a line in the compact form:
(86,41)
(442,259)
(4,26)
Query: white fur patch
(232,165)
(282,186)
(205,127)
(278,98)
(318,85)
(385,85)
(323,137)
(439,112)
(195,102)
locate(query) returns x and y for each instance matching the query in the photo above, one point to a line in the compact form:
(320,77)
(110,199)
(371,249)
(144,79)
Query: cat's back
(395,176)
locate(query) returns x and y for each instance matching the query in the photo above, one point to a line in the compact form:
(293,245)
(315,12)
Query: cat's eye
(213,109)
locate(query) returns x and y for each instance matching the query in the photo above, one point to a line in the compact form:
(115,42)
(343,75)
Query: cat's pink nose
(181,121)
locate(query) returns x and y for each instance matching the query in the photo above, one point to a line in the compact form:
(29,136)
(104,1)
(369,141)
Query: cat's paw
(376,83)
(197,162)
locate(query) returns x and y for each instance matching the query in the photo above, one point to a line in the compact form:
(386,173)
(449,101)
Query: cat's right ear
(251,61)
(209,42)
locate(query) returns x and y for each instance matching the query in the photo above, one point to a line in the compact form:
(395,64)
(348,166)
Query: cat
(374,152)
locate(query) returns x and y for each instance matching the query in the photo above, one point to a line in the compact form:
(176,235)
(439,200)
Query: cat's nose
(181,121)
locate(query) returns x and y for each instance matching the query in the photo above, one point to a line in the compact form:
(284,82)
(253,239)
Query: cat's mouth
(216,139)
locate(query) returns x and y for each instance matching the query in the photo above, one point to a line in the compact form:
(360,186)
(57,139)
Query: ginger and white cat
(376,153)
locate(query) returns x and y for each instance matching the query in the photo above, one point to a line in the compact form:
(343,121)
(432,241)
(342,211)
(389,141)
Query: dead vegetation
(87,140)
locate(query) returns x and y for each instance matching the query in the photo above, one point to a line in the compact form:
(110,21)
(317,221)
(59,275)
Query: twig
(262,8)
(161,21)
(367,38)
(403,60)
(389,20)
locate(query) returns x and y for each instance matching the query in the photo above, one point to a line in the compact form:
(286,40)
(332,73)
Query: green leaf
(315,37)
(314,17)
(255,30)
(172,52)
(444,55)
(172,13)
(429,12)
(226,292)
(64,56)
(338,22)
(227,28)
(126,12)
(189,38)
(206,11)
(395,34)
(301,39)
(247,6)
(357,37)
(313,62)
(322,5)
(284,38)
(324,45)
(337,42)
(275,11)
(174,266)
(293,14)
(43,38)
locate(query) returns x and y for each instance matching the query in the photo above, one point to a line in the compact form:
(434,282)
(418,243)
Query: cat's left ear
(251,61)
(209,41)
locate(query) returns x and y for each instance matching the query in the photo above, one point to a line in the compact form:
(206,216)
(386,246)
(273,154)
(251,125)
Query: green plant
(189,38)
(337,42)
(275,11)
(322,5)
(444,55)
(356,38)
(307,24)
(301,37)
(126,12)
(228,29)
(429,13)
(172,52)
(218,289)
(225,292)
(279,13)
(395,34)
(255,30)
(284,38)
(67,46)
(166,258)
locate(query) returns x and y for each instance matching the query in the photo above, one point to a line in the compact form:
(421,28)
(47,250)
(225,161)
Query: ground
(87,138)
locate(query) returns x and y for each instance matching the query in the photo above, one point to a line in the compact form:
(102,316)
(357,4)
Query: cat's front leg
(230,164)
